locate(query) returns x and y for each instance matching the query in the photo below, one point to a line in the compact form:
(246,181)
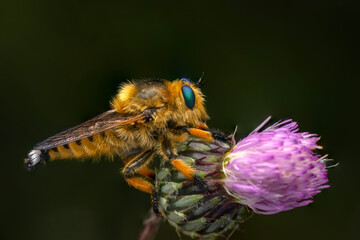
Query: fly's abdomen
(102,144)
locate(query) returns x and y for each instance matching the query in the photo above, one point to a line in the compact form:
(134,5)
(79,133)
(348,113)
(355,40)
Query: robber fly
(147,118)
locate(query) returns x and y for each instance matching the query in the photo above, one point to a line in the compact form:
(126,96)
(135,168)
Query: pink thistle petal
(275,170)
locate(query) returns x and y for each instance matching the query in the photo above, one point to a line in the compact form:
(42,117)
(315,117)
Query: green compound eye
(189,96)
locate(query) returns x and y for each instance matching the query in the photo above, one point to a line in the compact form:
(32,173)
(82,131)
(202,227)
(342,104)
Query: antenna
(201,80)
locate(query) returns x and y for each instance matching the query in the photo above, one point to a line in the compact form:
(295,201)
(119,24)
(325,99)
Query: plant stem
(150,226)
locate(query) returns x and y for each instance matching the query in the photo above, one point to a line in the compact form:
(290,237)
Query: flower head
(276,169)
(267,172)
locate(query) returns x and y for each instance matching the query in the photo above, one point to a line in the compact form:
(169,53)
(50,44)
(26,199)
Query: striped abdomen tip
(33,159)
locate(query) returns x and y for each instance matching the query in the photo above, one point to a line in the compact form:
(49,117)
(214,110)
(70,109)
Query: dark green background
(62,61)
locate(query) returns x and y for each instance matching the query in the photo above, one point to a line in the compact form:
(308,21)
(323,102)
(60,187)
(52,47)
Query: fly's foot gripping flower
(276,169)
(192,210)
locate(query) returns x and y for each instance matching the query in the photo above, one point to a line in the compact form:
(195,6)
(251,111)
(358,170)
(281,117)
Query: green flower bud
(191,209)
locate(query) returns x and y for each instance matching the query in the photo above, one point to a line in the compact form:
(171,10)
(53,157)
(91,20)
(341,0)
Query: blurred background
(62,61)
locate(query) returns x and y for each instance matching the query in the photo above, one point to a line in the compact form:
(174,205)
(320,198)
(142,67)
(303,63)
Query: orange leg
(208,135)
(137,166)
(146,172)
(203,134)
(190,173)
(141,184)
(184,168)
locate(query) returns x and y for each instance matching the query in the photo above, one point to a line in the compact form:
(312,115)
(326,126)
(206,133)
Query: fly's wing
(105,121)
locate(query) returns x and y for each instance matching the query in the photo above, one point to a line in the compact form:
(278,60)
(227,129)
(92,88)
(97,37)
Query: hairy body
(148,117)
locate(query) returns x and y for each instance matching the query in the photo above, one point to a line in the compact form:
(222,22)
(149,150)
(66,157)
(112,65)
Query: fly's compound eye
(189,96)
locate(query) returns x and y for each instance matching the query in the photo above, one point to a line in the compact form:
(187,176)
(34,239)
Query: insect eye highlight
(189,96)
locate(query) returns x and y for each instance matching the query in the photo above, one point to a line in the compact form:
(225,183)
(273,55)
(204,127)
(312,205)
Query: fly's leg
(137,174)
(155,202)
(188,171)
(208,135)
(203,132)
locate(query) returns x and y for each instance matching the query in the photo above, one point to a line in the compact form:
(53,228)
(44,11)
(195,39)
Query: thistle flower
(275,170)
(267,172)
